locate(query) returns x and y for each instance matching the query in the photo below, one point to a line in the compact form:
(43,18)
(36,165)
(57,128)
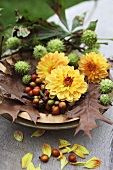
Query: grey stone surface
(11,151)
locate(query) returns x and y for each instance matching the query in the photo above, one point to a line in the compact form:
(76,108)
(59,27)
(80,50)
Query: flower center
(68,80)
(91,67)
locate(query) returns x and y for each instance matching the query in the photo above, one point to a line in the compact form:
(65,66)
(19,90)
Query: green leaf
(45,33)
(26,160)
(58,7)
(92,25)
(78,21)
(38,133)
(18,135)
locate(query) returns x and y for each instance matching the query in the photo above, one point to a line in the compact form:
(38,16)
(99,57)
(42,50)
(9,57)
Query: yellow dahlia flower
(66,83)
(49,62)
(94,66)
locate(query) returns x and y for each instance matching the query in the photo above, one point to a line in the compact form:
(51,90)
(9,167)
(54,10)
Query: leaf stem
(106,39)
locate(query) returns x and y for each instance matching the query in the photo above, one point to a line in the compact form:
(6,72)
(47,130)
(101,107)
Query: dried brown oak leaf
(88,111)
(14,107)
(12,85)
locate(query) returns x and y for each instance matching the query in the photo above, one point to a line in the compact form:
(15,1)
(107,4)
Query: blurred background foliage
(35,8)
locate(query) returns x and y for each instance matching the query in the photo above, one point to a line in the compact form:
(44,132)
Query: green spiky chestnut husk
(26,79)
(39,51)
(89,38)
(105,99)
(74,58)
(22,67)
(55,45)
(13,43)
(106,86)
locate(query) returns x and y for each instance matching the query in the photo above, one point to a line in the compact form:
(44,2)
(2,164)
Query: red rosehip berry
(55,152)
(72,158)
(36,91)
(38,80)
(44,158)
(62,105)
(30,93)
(55,110)
(46,93)
(34,76)
(27,89)
(48,107)
(32,84)
(35,101)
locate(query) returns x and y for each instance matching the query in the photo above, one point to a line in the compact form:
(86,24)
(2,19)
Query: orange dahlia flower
(49,62)
(94,66)
(66,83)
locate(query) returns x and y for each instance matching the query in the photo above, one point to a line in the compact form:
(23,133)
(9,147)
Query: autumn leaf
(21,32)
(92,163)
(88,110)
(63,161)
(66,150)
(12,85)
(26,160)
(31,166)
(79,153)
(38,133)
(38,168)
(64,143)
(14,107)
(60,156)
(80,150)
(46,149)
(18,135)
(78,163)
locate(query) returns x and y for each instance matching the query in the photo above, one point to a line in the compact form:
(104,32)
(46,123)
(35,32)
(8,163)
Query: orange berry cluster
(40,97)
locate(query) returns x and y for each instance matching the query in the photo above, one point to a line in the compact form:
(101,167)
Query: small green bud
(26,79)
(74,58)
(39,51)
(89,38)
(55,45)
(22,67)
(106,86)
(105,99)
(13,43)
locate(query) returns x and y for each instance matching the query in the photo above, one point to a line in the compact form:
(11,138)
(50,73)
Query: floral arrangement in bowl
(57,72)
